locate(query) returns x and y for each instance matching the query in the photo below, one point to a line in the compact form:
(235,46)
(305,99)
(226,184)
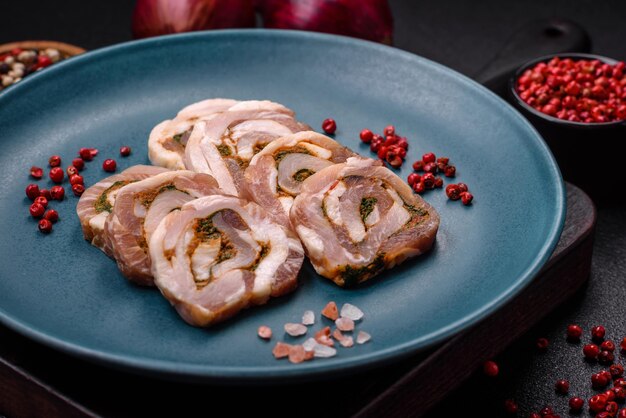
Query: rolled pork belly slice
(358,218)
(167,141)
(97,202)
(221,254)
(138,209)
(224,145)
(275,175)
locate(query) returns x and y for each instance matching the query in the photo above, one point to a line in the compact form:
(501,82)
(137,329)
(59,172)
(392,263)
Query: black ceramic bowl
(586,152)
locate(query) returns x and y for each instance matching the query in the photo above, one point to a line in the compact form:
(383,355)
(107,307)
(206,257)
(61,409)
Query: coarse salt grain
(351,312)
(309,345)
(265,332)
(347,341)
(337,335)
(323,337)
(330,311)
(281,350)
(308,318)
(295,330)
(296,354)
(363,337)
(344,324)
(323,351)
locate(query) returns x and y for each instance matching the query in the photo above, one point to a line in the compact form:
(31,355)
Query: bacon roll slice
(167,141)
(358,218)
(224,145)
(97,202)
(138,209)
(220,254)
(275,175)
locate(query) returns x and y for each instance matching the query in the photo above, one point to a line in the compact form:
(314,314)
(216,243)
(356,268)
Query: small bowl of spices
(20,59)
(577,102)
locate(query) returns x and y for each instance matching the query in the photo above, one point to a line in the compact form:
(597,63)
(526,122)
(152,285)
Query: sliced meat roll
(358,218)
(97,201)
(166,145)
(224,145)
(220,254)
(275,175)
(139,208)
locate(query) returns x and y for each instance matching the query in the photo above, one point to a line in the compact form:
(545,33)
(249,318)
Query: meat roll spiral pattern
(220,254)
(140,207)
(97,202)
(224,145)
(356,219)
(167,142)
(275,175)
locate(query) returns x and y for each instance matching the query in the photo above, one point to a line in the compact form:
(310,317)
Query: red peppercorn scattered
(419,187)
(42,201)
(546,411)
(574,332)
(611,408)
(622,345)
(607,345)
(71,170)
(453,191)
(32,191)
(621,413)
(57,174)
(510,406)
(45,226)
(36,172)
(429,158)
(86,154)
(125,151)
(79,163)
(603,414)
(54,161)
(597,333)
(366,136)
(599,380)
(51,215)
(616,370)
(419,166)
(78,189)
(562,386)
(587,91)
(438,182)
(329,126)
(490,368)
(591,351)
(109,165)
(45,193)
(597,403)
(534,415)
(576,403)
(620,394)
(620,382)
(606,357)
(450,171)
(36,210)
(466,198)
(389,130)
(57,192)
(413,177)
(542,344)
(76,179)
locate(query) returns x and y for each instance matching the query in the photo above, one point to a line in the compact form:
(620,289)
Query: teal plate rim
(251,375)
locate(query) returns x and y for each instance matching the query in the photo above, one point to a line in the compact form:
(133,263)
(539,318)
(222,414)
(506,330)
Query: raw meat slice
(138,210)
(358,218)
(220,254)
(97,201)
(275,175)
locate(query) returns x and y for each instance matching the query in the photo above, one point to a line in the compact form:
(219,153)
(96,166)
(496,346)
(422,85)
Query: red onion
(366,19)
(161,17)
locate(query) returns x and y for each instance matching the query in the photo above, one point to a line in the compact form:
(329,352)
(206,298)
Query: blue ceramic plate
(60,291)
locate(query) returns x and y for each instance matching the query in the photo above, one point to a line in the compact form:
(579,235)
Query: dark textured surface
(463,35)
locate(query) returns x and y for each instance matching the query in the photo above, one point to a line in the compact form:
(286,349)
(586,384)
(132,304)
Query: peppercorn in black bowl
(577,102)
